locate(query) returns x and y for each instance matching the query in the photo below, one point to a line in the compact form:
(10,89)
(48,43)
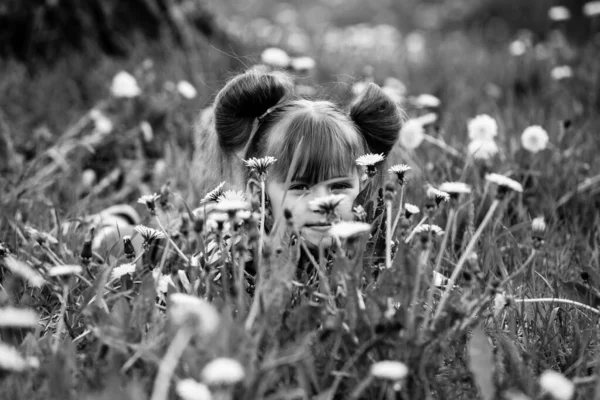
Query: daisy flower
(426,228)
(214,194)
(184,308)
(275,57)
(18,317)
(400,170)
(124,85)
(427,101)
(223,372)
(260,165)
(236,195)
(149,234)
(390,370)
(591,9)
(534,139)
(64,270)
(123,269)
(326,204)
(438,195)
(12,360)
(482,149)
(187,90)
(412,134)
(504,182)
(482,127)
(556,384)
(559,13)
(410,210)
(348,229)
(369,160)
(454,189)
(190,389)
(149,200)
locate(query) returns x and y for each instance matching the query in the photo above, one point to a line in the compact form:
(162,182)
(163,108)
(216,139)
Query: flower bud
(128,248)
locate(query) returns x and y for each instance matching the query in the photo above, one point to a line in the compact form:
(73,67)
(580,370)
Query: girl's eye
(341,186)
(299,187)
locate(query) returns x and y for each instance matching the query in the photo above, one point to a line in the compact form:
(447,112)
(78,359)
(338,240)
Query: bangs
(327,147)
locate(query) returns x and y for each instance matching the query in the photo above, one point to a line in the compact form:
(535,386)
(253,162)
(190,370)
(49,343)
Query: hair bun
(377,117)
(243,99)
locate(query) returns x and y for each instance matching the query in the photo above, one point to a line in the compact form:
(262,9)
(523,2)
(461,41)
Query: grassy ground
(97,337)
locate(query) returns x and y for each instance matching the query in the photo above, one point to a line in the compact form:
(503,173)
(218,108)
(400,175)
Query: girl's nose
(319,191)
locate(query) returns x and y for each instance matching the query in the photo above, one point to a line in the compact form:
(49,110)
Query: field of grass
(484,310)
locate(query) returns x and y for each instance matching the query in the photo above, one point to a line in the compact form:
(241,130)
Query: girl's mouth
(318,226)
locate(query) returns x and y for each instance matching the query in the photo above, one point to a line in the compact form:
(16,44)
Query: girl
(257,114)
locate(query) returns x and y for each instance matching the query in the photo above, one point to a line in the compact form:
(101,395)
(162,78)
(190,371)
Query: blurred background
(58,59)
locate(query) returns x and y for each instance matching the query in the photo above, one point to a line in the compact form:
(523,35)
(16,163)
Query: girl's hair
(257,113)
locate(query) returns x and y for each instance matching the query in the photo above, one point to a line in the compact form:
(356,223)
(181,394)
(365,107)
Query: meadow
(115,283)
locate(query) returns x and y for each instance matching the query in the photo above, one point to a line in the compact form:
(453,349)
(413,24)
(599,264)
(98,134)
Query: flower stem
(555,300)
(463,258)
(407,240)
(169,363)
(262,221)
(61,317)
(177,249)
(400,210)
(388,235)
(521,269)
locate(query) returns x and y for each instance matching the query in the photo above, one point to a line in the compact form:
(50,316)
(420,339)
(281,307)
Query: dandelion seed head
(482,149)
(504,181)
(412,134)
(538,225)
(347,229)
(389,370)
(534,139)
(557,385)
(184,308)
(482,127)
(223,372)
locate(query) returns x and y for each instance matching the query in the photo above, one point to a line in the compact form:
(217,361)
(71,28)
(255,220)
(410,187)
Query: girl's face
(313,226)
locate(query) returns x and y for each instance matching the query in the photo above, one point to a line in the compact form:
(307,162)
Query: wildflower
(369,161)
(236,195)
(123,269)
(359,213)
(482,149)
(534,138)
(591,9)
(412,134)
(184,308)
(124,85)
(390,370)
(40,237)
(275,57)
(18,317)
(147,132)
(12,360)
(102,124)
(517,48)
(150,201)
(561,72)
(214,194)
(454,189)
(348,229)
(427,100)
(538,225)
(303,63)
(190,389)
(427,228)
(557,385)
(400,170)
(64,270)
(149,234)
(559,13)
(482,127)
(439,280)
(186,89)
(260,165)
(410,210)
(504,182)
(232,206)
(223,372)
(128,248)
(427,119)
(20,268)
(326,204)
(438,195)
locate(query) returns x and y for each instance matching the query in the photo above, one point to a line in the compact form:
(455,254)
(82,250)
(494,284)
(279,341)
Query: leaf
(481,363)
